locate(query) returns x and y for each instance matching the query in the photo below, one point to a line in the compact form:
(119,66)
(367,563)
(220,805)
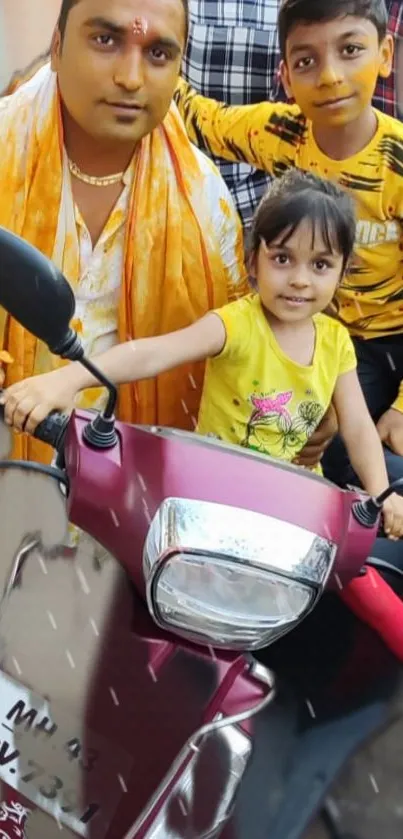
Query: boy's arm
(390,425)
(247,133)
(365,449)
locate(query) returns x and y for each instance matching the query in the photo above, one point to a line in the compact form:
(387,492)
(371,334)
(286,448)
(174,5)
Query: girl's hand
(393,517)
(27,403)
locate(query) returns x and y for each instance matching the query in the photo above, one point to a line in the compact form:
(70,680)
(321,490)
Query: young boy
(332,56)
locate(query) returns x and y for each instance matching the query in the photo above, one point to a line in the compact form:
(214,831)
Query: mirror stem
(112,390)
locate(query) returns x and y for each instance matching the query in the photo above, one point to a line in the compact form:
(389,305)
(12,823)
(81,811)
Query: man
(97,172)
(232,55)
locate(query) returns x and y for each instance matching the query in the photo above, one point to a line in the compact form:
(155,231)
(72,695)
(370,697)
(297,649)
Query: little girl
(274,360)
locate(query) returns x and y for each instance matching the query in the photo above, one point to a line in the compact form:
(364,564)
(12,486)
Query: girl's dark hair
(67,5)
(301,196)
(293,12)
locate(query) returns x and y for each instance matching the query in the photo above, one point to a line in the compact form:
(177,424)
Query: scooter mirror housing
(37,295)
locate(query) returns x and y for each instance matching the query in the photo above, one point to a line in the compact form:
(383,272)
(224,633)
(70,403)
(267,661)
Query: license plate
(77,777)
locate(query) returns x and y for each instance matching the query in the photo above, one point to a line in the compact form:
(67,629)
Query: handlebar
(51,430)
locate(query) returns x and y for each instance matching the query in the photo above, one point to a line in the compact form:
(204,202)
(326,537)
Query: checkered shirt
(386,92)
(233,56)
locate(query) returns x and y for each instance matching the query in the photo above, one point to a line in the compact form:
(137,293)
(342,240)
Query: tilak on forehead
(139,27)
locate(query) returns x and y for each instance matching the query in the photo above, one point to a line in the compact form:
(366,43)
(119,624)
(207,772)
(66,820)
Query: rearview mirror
(37,295)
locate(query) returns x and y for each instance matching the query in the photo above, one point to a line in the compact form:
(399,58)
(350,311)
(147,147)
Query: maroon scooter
(128,697)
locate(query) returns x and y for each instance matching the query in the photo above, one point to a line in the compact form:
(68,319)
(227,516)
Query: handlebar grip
(51,430)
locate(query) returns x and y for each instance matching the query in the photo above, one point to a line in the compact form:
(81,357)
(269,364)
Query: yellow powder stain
(77,325)
(225,207)
(69,241)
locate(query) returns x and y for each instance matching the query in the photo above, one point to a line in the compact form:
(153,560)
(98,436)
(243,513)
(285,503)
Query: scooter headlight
(229,577)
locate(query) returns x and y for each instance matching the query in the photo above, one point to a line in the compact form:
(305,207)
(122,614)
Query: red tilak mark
(140,26)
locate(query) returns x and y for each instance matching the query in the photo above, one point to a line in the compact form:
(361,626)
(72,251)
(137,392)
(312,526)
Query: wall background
(26,28)
(3,70)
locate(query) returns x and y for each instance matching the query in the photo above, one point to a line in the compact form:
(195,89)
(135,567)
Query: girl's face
(299,278)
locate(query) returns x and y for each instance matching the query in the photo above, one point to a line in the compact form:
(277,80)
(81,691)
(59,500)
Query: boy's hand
(393,517)
(315,447)
(390,430)
(27,403)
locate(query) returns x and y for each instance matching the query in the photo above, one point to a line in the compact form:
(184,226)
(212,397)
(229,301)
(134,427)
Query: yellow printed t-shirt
(275,137)
(256,396)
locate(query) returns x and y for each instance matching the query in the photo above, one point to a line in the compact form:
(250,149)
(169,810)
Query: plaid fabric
(386,94)
(232,56)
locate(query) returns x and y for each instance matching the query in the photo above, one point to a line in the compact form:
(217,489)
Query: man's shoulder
(21,100)
(13,114)
(222,223)
(7,105)
(213,184)
(207,167)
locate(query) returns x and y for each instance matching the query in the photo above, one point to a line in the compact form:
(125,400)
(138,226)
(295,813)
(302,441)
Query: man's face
(331,68)
(119,64)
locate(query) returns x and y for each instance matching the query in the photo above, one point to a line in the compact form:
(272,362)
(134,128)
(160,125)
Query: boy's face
(331,68)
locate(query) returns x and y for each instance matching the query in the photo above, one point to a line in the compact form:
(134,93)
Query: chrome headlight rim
(305,573)
(254,544)
(204,638)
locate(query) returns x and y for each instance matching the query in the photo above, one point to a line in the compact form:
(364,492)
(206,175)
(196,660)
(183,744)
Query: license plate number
(52,765)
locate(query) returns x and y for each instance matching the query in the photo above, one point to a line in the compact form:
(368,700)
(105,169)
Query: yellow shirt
(256,396)
(277,136)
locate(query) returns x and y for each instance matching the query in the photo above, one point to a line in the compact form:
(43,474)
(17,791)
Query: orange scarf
(173,269)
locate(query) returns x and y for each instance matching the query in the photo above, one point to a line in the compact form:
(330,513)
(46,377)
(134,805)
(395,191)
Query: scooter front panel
(97,717)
